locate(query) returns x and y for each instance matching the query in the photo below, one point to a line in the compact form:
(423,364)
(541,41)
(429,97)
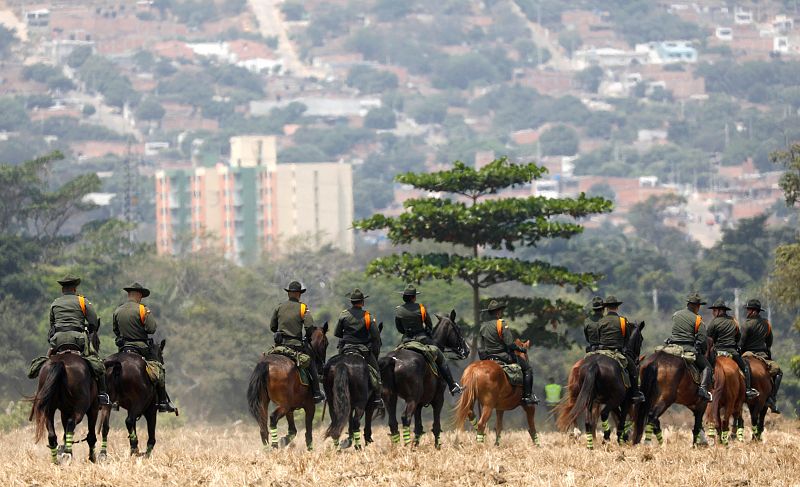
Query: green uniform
(591,329)
(610,334)
(725,332)
(69,325)
(756,336)
(410,323)
(290,320)
(492,344)
(689,331)
(133,325)
(354,337)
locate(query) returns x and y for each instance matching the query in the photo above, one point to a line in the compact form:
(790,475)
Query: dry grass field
(233,456)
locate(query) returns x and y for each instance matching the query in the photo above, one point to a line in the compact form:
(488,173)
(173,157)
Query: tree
(78,56)
(12,114)
(150,110)
(559,140)
(367,79)
(7,38)
(476,225)
(293,10)
(570,41)
(589,79)
(381,118)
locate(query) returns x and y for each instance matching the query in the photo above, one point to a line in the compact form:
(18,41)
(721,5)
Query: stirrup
(456,389)
(532,399)
(638,397)
(319,397)
(103,399)
(166,407)
(751,393)
(704,394)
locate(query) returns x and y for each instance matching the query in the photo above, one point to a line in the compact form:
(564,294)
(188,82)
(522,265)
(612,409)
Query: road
(546,39)
(271,23)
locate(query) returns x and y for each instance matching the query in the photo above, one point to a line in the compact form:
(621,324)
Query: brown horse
(131,388)
(665,380)
(727,398)
(65,384)
(276,378)
(485,382)
(762,382)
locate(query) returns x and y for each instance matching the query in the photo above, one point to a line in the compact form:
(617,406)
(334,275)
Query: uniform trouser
(705,368)
(527,375)
(312,370)
(632,373)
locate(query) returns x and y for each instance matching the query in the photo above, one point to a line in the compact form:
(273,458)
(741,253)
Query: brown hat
(612,301)
(694,298)
(494,306)
(410,290)
(69,280)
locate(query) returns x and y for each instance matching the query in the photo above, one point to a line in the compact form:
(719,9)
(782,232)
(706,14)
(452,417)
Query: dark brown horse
(666,380)
(131,388)
(595,386)
(727,399)
(485,383)
(407,375)
(65,384)
(762,382)
(276,378)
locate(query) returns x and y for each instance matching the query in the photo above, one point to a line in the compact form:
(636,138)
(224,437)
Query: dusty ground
(233,456)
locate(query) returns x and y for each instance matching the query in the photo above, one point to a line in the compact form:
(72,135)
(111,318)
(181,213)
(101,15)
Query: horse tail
(467,400)
(386,369)
(568,414)
(257,394)
(649,384)
(52,387)
(116,377)
(340,401)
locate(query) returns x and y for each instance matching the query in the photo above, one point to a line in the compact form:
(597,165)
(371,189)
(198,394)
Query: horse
(665,380)
(406,374)
(130,387)
(346,380)
(595,385)
(65,384)
(762,382)
(727,398)
(485,381)
(276,378)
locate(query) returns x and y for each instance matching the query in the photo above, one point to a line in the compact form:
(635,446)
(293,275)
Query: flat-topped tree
(470,217)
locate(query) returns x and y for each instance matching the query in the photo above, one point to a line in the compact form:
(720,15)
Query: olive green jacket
(409,322)
(683,331)
(68,323)
(756,336)
(287,320)
(129,326)
(725,332)
(352,328)
(492,343)
(591,328)
(610,331)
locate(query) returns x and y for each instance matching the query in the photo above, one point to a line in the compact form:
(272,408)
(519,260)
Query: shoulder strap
(500,328)
(769,327)
(623,323)
(698,319)
(142,313)
(367,319)
(82,302)
(303,309)
(735,323)
(423,312)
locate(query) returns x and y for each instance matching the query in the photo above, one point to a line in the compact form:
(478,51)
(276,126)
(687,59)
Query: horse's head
(524,346)
(447,335)
(634,346)
(319,343)
(158,349)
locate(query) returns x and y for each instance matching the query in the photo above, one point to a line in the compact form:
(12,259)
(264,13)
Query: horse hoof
(346,443)
(285,441)
(102,457)
(64,458)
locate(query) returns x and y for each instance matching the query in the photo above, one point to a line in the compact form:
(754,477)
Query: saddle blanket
(620,359)
(688,356)
(427,351)
(513,372)
(772,366)
(302,360)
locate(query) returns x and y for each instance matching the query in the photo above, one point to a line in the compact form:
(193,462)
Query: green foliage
(463,70)
(101,75)
(590,78)
(559,140)
(334,141)
(88,110)
(194,12)
(392,47)
(70,128)
(754,80)
(547,11)
(643,21)
(570,40)
(8,37)
(40,72)
(150,110)
(293,10)
(367,79)
(14,416)
(13,116)
(381,118)
(602,190)
(79,56)
(389,10)
(431,110)
(302,153)
(790,180)
(327,21)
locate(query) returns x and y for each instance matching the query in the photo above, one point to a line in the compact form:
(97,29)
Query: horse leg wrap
(357,439)
(474,422)
(497,440)
(273,437)
(606,426)
(406,435)
(395,438)
(68,443)
(536,439)
(149,450)
(54,454)
(589,441)
(310,447)
(481,437)
(132,437)
(660,437)
(648,433)
(723,437)
(437,441)
(756,434)
(626,430)
(336,442)
(739,434)
(712,431)
(104,446)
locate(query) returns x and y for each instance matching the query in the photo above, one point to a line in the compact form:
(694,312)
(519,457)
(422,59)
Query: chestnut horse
(596,383)
(762,382)
(485,382)
(727,398)
(276,378)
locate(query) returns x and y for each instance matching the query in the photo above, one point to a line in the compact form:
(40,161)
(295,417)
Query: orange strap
(623,323)
(367,319)
(423,313)
(697,321)
(142,313)
(500,328)
(82,302)
(303,309)
(769,327)
(735,323)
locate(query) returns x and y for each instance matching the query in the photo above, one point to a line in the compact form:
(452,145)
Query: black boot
(102,393)
(636,395)
(705,384)
(454,387)
(749,392)
(164,404)
(772,402)
(316,392)
(528,397)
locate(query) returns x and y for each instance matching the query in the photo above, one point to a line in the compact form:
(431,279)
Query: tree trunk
(476,307)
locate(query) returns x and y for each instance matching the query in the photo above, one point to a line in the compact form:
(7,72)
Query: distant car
(711,222)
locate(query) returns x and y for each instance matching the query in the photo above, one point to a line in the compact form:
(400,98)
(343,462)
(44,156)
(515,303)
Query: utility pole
(655,300)
(736,303)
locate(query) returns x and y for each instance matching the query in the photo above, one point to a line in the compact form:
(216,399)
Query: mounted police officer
(414,323)
(72,319)
(689,331)
(724,330)
(357,331)
(288,323)
(756,337)
(591,323)
(133,326)
(497,343)
(613,333)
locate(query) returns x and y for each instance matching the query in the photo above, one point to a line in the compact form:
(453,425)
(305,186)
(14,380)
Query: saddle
(513,372)
(359,351)
(301,360)
(428,352)
(772,366)
(620,359)
(688,357)
(153,368)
